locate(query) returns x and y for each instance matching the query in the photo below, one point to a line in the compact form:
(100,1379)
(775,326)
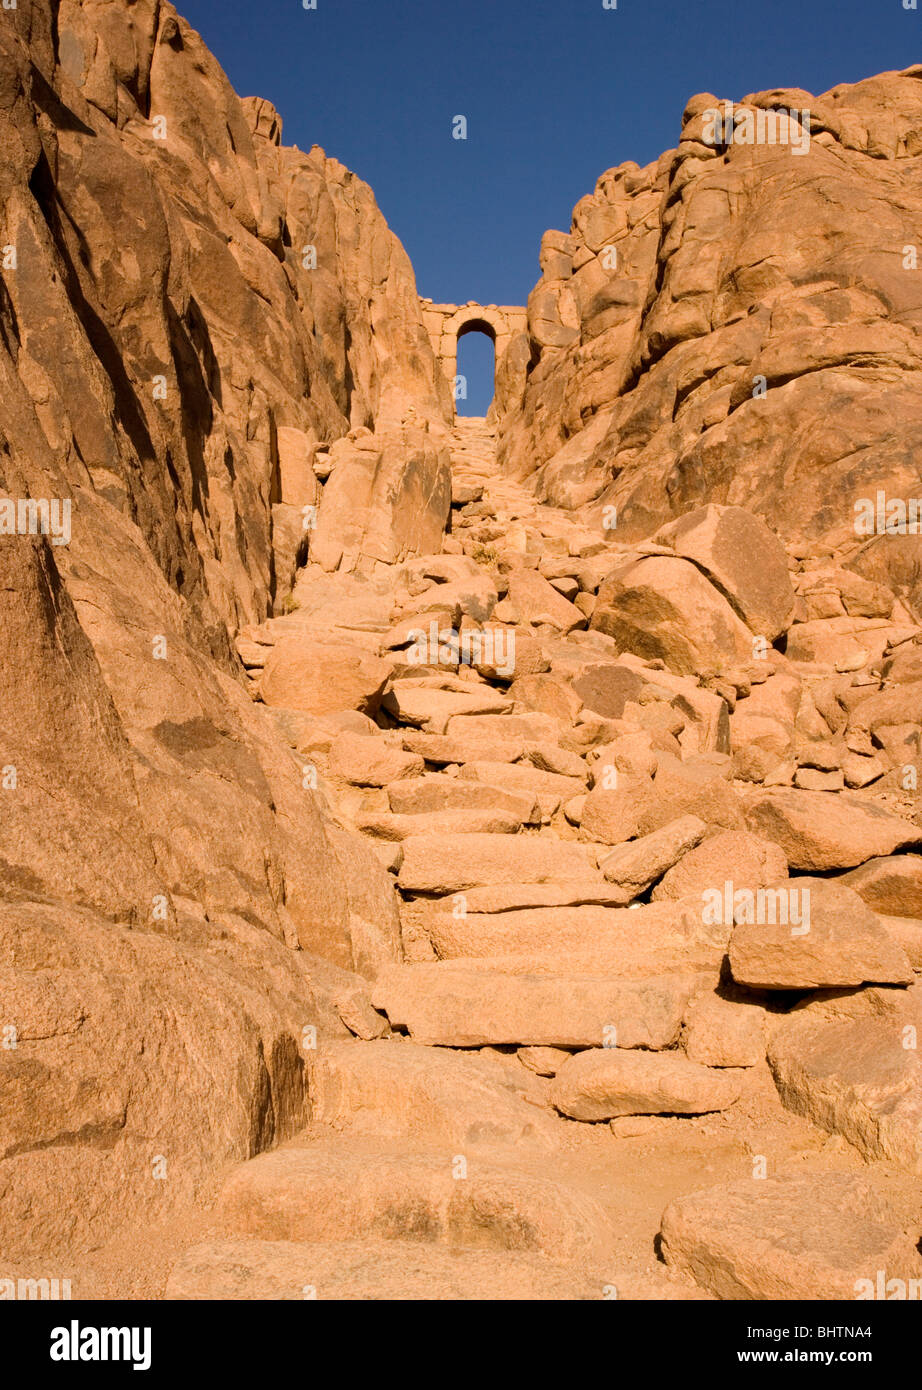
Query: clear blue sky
(554,91)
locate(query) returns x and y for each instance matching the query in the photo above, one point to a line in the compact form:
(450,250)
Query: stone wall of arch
(445,323)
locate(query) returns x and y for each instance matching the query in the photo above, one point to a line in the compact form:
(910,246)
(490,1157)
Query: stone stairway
(533,1049)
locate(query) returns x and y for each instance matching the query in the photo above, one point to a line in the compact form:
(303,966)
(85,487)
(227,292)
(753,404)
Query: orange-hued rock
(663,607)
(387,498)
(603,1082)
(891,885)
(723,1032)
(448,864)
(472,1003)
(106,1026)
(795,1238)
(743,558)
(334,1191)
(322,677)
(746,860)
(687,368)
(398,1089)
(811,933)
(820,830)
(859,1077)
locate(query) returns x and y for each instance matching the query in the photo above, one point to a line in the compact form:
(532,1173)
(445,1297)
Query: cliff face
(186,309)
(185,287)
(738,322)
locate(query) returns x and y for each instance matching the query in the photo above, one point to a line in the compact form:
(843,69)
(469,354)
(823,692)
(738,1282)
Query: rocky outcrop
(703,319)
(187,310)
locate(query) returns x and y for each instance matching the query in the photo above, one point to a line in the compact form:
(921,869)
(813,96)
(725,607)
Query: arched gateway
(446,323)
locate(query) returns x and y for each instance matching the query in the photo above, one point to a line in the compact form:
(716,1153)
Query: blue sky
(554,91)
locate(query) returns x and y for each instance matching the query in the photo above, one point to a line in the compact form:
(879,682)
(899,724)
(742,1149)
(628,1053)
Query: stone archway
(446,323)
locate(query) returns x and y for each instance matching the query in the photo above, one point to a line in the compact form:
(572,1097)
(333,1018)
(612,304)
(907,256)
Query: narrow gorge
(447,857)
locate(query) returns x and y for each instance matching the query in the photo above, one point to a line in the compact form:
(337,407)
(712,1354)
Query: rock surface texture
(456,859)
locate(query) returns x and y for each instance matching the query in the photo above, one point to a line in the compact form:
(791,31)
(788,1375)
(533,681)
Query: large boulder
(810,933)
(604,1082)
(387,498)
(661,607)
(821,830)
(323,677)
(857,1076)
(810,1237)
(746,561)
(747,860)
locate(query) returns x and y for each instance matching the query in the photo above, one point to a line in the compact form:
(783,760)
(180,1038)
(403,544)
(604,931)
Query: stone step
(467,1003)
(432,710)
(653,939)
(605,1082)
(549,789)
(373,1271)
(386,826)
(441,864)
(401,1090)
(415,796)
(337,1191)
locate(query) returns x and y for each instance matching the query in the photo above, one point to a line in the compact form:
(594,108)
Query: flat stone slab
(828,830)
(512,897)
(400,1090)
(417,796)
(652,939)
(549,789)
(450,864)
(828,938)
(812,1237)
(442,749)
(431,709)
(607,1081)
(891,885)
(459,1006)
(332,1192)
(398,828)
(371,1271)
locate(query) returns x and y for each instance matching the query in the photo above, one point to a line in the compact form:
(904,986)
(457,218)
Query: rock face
(375,827)
(856,1076)
(388,497)
(661,607)
(680,349)
(185,358)
(819,831)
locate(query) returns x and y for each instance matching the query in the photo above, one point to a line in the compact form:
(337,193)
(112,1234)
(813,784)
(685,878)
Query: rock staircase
(552,1056)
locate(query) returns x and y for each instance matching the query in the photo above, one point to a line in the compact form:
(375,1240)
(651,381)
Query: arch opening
(475,375)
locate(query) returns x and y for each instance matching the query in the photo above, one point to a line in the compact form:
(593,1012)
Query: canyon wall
(737,323)
(187,309)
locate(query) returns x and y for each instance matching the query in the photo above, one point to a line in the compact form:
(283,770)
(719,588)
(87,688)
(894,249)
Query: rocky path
(567,1078)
